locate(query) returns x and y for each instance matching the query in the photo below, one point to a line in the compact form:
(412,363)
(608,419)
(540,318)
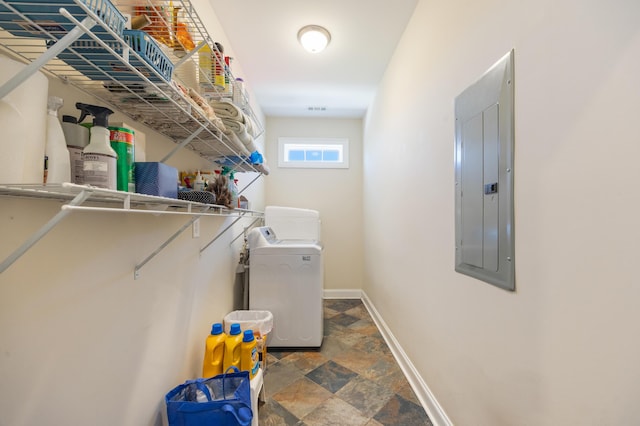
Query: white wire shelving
(85,52)
(81,198)
(80,42)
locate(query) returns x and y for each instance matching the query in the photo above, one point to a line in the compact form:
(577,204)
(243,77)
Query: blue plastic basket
(42,18)
(93,61)
(147,47)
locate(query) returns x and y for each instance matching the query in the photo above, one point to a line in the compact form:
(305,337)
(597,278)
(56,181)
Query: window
(322,153)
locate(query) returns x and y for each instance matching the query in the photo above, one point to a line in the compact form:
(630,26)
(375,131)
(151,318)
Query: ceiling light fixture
(314,38)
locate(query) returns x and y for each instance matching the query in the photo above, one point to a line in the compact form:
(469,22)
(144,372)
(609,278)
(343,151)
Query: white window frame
(285,143)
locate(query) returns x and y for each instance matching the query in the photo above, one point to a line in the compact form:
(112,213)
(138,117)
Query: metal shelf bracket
(136,271)
(79,199)
(242,214)
(244,232)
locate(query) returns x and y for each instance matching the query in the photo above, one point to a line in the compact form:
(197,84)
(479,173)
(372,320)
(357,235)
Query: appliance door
(290,287)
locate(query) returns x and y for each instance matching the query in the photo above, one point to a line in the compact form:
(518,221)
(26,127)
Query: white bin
(260,322)
(257,321)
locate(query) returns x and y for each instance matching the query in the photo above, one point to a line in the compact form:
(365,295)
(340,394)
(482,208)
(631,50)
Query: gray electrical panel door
(484,177)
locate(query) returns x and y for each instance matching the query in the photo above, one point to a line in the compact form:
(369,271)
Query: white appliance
(286,277)
(291,223)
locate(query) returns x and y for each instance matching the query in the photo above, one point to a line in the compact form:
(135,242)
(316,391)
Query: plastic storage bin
(260,322)
(154,178)
(97,63)
(45,19)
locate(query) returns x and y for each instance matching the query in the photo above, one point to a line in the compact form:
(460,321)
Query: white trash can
(260,322)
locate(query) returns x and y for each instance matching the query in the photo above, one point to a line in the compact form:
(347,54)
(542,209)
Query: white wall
(561,350)
(335,193)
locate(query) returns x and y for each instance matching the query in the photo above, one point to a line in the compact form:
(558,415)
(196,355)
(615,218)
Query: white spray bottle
(98,158)
(77,137)
(58,163)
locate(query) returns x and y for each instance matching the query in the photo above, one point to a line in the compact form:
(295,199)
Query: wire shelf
(147,97)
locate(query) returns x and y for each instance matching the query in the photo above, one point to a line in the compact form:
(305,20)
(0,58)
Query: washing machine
(286,277)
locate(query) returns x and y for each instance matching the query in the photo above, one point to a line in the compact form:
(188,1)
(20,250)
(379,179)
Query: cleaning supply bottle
(98,158)
(205,63)
(238,97)
(122,141)
(214,352)
(249,354)
(218,65)
(198,184)
(233,188)
(23,117)
(235,184)
(232,348)
(77,138)
(56,152)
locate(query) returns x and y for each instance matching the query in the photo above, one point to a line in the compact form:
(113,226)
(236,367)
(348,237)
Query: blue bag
(221,400)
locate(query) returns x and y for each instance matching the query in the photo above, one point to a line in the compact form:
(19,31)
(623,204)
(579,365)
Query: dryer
(286,277)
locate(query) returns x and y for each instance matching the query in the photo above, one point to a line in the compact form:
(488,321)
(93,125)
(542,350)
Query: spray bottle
(56,152)
(77,138)
(98,158)
(233,188)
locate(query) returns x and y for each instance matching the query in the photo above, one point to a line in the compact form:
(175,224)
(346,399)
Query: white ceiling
(285,79)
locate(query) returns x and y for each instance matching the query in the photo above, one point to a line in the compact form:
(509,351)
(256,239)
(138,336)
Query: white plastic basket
(257,321)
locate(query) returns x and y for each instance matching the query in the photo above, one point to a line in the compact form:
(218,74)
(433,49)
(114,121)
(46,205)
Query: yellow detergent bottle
(249,354)
(214,352)
(232,348)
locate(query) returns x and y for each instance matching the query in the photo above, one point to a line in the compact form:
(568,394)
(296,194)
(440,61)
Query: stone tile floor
(352,379)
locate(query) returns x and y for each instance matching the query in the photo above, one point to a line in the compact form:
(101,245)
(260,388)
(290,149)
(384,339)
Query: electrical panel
(484,177)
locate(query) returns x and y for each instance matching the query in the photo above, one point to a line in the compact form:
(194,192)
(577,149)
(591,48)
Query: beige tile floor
(352,379)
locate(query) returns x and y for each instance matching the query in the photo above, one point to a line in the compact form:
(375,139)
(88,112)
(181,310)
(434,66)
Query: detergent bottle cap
(216,329)
(235,329)
(248,336)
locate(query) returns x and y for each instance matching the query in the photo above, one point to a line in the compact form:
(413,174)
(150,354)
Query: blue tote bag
(223,400)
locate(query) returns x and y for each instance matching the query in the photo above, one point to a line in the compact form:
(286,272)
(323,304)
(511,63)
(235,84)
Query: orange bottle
(232,348)
(249,354)
(214,352)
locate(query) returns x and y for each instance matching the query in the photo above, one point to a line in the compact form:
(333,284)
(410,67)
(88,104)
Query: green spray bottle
(99,160)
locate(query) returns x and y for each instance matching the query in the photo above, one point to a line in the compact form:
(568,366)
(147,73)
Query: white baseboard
(429,403)
(343,294)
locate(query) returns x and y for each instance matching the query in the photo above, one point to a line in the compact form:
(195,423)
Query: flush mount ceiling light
(314,38)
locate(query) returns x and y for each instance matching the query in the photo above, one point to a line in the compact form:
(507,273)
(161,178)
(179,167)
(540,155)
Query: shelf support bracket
(182,145)
(37,236)
(222,232)
(136,271)
(250,183)
(245,229)
(38,63)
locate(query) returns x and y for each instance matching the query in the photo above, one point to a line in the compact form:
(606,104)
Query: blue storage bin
(147,47)
(153,178)
(40,18)
(93,61)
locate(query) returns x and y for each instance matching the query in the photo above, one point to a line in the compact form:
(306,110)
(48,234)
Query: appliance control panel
(268,234)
